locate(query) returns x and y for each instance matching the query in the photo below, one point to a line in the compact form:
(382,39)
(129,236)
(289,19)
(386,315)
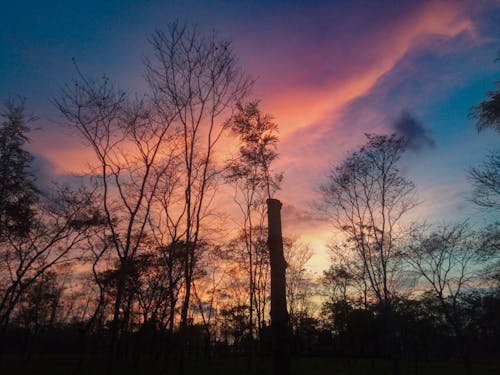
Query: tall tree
(36,232)
(197,78)
(251,176)
(368,197)
(132,153)
(18,192)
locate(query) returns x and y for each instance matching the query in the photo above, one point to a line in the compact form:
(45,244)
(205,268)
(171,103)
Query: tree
(450,260)
(489,249)
(39,305)
(207,292)
(18,192)
(250,175)
(198,79)
(346,277)
(336,306)
(485,178)
(37,231)
(487,113)
(132,152)
(299,286)
(60,225)
(368,197)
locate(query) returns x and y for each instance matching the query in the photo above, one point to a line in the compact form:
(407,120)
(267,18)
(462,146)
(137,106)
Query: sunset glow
(327,72)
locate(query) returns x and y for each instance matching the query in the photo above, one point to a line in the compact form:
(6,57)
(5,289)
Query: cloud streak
(313,78)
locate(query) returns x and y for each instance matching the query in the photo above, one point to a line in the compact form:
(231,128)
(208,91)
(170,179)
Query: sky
(328,71)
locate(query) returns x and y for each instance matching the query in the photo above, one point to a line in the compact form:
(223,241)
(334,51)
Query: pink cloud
(289,82)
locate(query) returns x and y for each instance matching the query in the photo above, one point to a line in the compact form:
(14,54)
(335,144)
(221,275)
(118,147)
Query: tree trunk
(115,321)
(279,314)
(183,334)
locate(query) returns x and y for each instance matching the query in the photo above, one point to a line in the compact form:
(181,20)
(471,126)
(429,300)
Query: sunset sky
(328,71)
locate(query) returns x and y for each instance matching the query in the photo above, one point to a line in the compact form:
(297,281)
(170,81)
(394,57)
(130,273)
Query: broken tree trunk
(279,314)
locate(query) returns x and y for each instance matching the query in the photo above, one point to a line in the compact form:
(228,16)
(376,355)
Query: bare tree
(447,260)
(131,153)
(207,291)
(198,79)
(60,225)
(368,197)
(451,261)
(299,284)
(346,278)
(337,282)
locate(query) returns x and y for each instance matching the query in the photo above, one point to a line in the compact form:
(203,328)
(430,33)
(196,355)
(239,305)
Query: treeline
(159,253)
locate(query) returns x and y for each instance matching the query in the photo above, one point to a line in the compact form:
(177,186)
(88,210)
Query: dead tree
(279,314)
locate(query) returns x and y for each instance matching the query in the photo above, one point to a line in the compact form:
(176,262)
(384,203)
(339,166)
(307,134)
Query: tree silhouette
(367,197)
(60,227)
(37,232)
(250,175)
(299,284)
(198,79)
(449,260)
(18,192)
(487,113)
(131,150)
(485,178)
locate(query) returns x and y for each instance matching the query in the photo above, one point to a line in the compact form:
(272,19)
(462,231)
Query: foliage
(258,142)
(485,179)
(487,113)
(18,192)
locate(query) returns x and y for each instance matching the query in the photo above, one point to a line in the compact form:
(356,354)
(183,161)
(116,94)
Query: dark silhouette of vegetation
(251,177)
(487,113)
(17,187)
(195,79)
(450,260)
(368,197)
(485,178)
(128,143)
